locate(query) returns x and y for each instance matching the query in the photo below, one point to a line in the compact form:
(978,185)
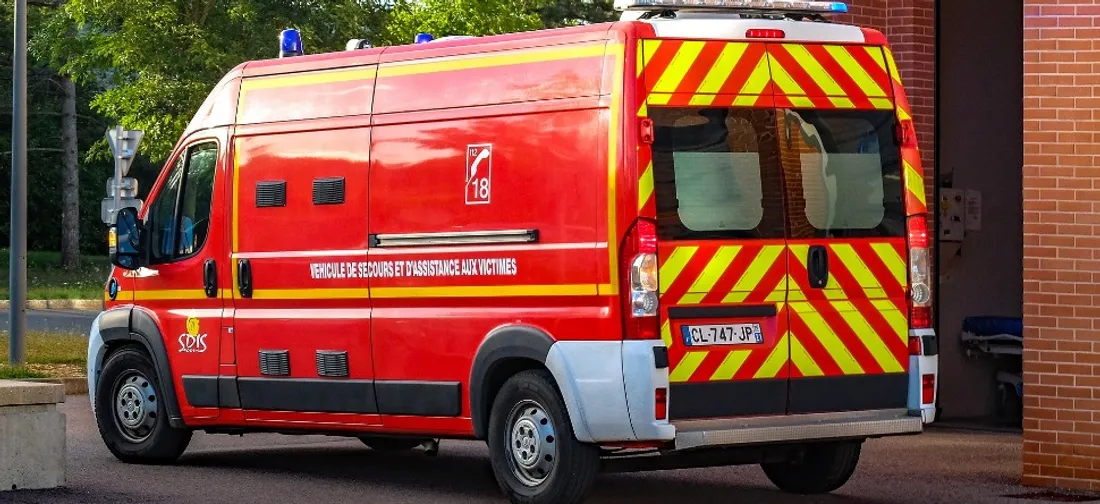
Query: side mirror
(126,240)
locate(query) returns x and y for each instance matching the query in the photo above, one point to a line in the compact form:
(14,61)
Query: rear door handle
(818,266)
(210,278)
(244,278)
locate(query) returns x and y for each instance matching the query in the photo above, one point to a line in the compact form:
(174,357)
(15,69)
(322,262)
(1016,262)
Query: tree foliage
(157,60)
(457,17)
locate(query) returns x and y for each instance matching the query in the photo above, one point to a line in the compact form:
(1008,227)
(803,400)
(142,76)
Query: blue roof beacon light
(290,43)
(424,38)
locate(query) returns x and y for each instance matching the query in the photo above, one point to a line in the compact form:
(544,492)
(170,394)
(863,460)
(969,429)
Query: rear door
(846,209)
(718,191)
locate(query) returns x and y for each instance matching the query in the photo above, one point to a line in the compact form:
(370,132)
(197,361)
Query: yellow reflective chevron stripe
(859,270)
(687,367)
(674,265)
(828,339)
(710,275)
(779,356)
(866,334)
(802,360)
(731,365)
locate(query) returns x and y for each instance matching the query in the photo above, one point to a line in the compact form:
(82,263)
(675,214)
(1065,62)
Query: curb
(59,304)
(73,386)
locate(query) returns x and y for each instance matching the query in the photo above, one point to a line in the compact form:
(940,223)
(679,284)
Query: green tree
(157,60)
(444,18)
(559,13)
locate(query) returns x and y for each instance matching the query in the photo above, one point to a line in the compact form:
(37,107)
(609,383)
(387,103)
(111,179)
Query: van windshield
(773,173)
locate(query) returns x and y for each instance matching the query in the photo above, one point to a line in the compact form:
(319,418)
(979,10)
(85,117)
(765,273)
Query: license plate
(722,334)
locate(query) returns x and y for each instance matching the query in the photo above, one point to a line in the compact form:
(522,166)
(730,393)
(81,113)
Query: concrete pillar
(32,436)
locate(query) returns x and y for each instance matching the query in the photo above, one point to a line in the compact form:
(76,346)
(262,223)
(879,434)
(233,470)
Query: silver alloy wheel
(532,443)
(136,407)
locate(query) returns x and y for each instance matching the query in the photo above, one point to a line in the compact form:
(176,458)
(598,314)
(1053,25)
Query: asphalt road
(54,320)
(939,466)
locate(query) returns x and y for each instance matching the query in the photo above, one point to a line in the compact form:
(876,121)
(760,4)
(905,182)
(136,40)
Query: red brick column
(1062,244)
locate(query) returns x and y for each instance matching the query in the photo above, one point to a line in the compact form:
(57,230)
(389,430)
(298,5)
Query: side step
(695,434)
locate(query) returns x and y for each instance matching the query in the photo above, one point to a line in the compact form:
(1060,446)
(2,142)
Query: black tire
(531,399)
(153,441)
(822,469)
(390,444)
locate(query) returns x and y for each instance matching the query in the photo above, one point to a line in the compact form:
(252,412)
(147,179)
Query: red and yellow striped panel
(755,74)
(707,273)
(830,76)
(855,326)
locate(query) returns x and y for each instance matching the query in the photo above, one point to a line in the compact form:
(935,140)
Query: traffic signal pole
(17,316)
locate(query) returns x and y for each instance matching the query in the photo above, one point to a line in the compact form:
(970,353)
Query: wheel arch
(132,326)
(506,351)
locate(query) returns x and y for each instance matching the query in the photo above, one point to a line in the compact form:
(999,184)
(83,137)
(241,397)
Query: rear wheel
(131,414)
(822,469)
(534,456)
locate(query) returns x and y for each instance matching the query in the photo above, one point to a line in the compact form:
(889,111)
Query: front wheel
(532,450)
(131,413)
(822,469)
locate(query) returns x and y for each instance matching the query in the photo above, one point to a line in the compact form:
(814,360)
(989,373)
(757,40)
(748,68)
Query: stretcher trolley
(1001,338)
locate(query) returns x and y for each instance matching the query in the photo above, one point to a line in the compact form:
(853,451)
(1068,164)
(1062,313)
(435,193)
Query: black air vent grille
(271,194)
(332,364)
(328,191)
(275,362)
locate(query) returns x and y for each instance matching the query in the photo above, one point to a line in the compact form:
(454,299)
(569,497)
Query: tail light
(920,281)
(640,278)
(915,346)
(928,389)
(660,399)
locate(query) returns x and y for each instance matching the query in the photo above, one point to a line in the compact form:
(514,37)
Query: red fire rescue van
(692,237)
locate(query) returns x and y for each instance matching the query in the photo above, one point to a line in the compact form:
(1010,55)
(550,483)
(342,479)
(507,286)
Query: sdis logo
(192,341)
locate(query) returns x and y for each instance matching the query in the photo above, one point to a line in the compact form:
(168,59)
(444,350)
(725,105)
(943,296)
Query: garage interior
(979,195)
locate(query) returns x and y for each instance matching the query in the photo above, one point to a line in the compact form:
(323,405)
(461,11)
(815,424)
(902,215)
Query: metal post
(118,174)
(17,320)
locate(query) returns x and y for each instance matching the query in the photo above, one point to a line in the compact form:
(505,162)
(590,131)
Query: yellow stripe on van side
(307,79)
(504,58)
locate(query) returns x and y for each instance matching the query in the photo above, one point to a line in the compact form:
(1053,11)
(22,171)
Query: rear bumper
(795,428)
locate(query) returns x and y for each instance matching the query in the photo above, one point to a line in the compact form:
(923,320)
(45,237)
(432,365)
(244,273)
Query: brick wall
(1062,243)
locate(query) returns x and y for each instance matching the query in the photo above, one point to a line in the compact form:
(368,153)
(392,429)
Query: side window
(180,216)
(162,215)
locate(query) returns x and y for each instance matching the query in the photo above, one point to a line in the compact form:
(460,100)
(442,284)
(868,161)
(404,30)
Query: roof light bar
(760,5)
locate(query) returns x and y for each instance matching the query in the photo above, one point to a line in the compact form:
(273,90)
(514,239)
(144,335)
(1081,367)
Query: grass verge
(49,355)
(46,279)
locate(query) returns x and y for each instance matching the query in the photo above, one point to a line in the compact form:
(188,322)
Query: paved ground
(54,320)
(940,466)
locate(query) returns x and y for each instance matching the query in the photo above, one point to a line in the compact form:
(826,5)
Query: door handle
(210,278)
(818,266)
(244,278)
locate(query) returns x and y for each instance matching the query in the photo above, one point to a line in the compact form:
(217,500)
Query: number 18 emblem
(479,174)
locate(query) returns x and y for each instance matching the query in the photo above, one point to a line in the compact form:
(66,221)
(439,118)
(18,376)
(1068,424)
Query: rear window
(755,173)
(716,173)
(843,173)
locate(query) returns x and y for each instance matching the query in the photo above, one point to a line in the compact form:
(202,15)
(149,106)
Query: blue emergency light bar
(807,6)
(290,43)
